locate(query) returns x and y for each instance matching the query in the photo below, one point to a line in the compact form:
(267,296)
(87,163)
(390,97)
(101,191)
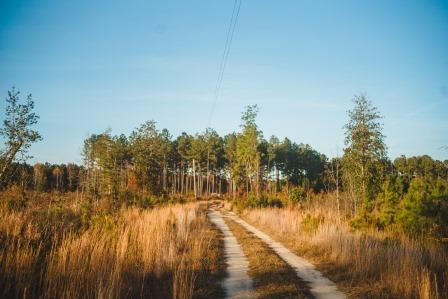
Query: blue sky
(93,65)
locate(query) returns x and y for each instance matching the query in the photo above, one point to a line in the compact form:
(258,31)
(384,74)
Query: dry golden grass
(365,265)
(166,252)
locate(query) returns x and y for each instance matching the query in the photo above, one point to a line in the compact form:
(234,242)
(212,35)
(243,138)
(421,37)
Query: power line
(226,45)
(229,40)
(225,56)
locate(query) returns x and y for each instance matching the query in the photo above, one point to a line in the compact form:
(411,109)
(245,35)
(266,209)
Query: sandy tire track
(237,284)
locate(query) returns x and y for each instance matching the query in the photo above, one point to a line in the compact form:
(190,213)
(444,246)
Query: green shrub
(424,208)
(388,202)
(257,202)
(297,194)
(253,201)
(363,220)
(147,202)
(275,202)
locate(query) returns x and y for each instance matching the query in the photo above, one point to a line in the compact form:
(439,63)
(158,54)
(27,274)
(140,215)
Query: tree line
(242,165)
(150,161)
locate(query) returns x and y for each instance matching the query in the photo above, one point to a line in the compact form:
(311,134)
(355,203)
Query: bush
(275,202)
(263,201)
(388,202)
(424,208)
(147,202)
(363,220)
(297,194)
(254,202)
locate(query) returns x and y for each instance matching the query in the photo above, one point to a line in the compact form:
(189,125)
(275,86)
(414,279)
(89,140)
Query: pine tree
(247,152)
(365,153)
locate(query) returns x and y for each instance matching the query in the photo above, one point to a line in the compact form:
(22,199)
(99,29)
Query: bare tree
(333,171)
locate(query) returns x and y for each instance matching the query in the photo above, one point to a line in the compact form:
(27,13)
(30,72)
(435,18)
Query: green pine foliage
(424,207)
(365,153)
(418,209)
(388,201)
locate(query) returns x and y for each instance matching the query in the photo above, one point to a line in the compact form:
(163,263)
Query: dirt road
(240,285)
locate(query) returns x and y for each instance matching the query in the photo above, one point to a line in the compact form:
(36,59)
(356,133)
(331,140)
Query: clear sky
(93,65)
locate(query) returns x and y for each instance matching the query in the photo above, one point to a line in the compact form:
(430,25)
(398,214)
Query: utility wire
(229,40)
(226,45)
(225,56)
(222,67)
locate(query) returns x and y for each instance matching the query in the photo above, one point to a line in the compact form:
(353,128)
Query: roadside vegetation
(48,251)
(368,263)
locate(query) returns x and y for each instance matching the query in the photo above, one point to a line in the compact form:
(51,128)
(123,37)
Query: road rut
(237,284)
